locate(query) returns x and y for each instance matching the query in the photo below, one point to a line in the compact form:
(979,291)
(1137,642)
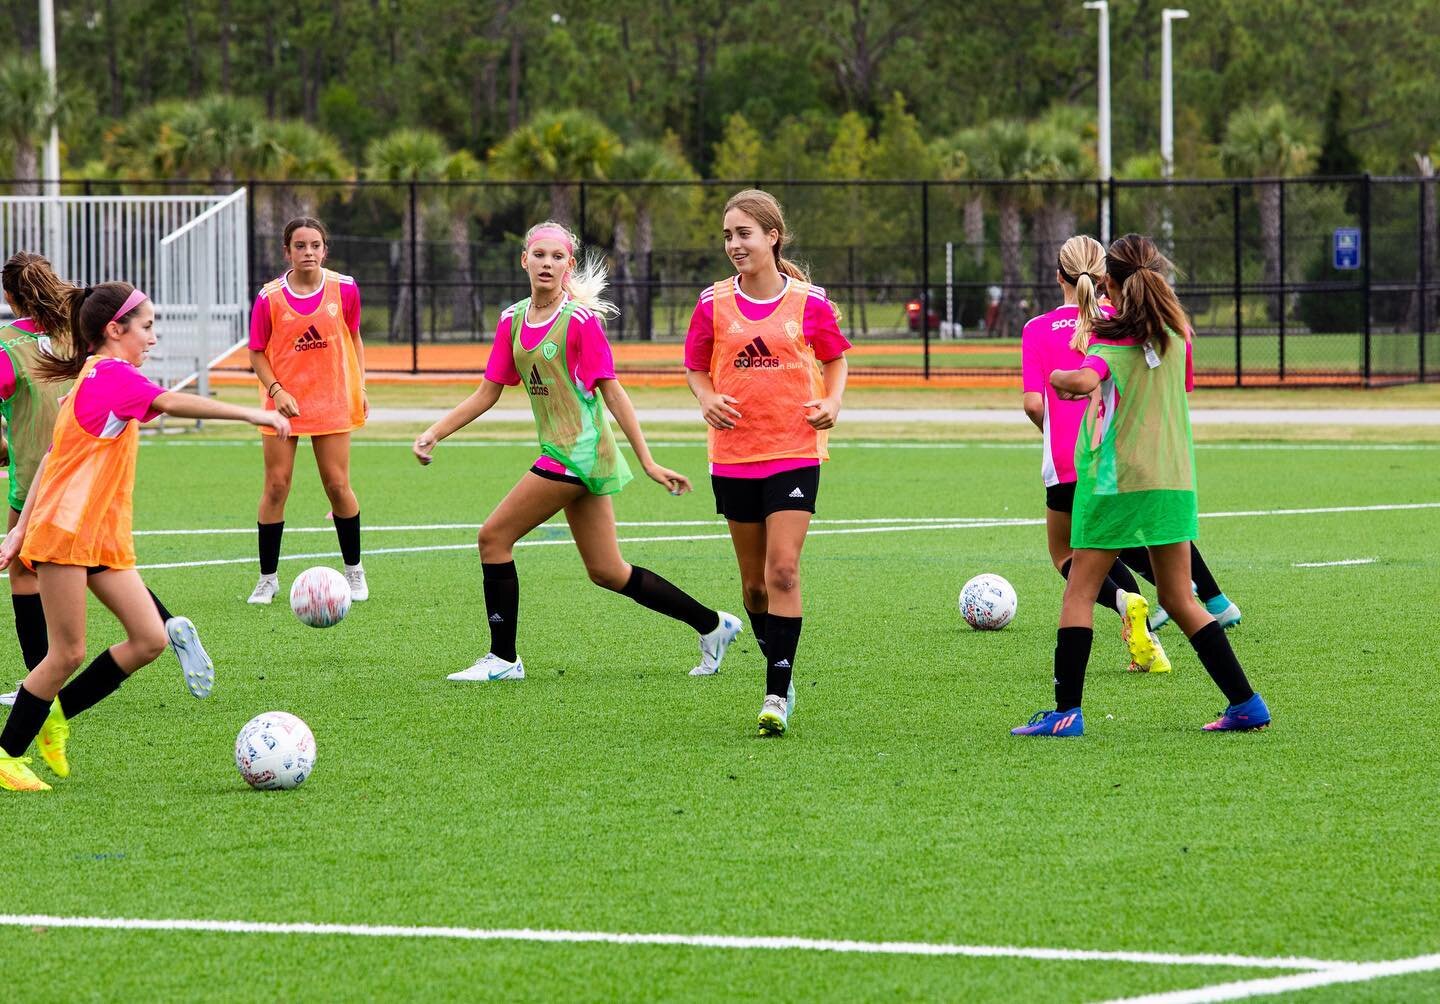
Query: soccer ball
(987,602)
(320,597)
(275,750)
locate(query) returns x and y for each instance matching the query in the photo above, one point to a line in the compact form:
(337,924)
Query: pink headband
(550,234)
(132,301)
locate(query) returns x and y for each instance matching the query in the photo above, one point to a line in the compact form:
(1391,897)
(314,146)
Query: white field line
(961,523)
(1333,564)
(1359,972)
(1321,966)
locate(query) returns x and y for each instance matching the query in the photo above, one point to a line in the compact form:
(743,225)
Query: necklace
(539,308)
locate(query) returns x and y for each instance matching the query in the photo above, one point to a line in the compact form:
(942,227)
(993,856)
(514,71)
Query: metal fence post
(1112,217)
(582,220)
(414,278)
(1283,303)
(1099,208)
(1365,265)
(252,259)
(1423,284)
(1239,297)
(925,271)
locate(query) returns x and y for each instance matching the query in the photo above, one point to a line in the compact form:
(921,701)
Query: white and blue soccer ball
(320,597)
(275,750)
(988,602)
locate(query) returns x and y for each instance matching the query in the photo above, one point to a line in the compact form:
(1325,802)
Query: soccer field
(612,829)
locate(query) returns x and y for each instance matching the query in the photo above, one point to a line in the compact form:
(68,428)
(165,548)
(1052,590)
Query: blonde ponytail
(587,277)
(1082,264)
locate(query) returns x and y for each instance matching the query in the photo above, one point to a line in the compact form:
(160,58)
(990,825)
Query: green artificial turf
(611,792)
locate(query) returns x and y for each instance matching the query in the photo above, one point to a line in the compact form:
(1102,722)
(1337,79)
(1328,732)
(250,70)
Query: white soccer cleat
(265,590)
(359,589)
(9,699)
(195,662)
(774,715)
(490,667)
(714,644)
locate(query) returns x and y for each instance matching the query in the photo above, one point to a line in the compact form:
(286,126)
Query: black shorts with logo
(1060,498)
(750,500)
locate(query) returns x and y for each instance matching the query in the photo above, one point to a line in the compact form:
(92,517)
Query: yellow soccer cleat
(1135,630)
(16,775)
(53,735)
(1160,663)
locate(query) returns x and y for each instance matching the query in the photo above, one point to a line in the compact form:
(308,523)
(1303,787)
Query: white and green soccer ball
(987,602)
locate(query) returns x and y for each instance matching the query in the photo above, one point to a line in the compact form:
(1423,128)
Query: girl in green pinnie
(553,344)
(1135,485)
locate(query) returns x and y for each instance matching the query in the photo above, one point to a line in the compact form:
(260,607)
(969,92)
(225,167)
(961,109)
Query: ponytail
(1082,264)
(88,311)
(37,291)
(1146,305)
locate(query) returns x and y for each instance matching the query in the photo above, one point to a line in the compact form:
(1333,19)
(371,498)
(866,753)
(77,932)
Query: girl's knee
(755,595)
(782,576)
(611,577)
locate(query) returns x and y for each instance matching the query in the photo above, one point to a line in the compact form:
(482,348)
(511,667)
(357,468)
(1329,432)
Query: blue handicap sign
(1346,247)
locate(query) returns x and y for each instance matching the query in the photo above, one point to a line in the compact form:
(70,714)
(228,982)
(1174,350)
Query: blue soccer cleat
(1060,724)
(1226,614)
(1250,716)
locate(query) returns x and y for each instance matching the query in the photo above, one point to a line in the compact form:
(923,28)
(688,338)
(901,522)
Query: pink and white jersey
(114,394)
(1045,348)
(587,353)
(260,313)
(819,326)
(1102,368)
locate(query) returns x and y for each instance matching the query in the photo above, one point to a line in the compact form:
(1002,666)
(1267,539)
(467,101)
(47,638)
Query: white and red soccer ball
(275,750)
(988,602)
(320,597)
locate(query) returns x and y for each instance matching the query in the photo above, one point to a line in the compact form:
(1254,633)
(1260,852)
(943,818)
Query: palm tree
(302,153)
(29,106)
(1063,155)
(463,201)
(635,209)
(963,157)
(149,143)
(407,155)
(558,148)
(1268,143)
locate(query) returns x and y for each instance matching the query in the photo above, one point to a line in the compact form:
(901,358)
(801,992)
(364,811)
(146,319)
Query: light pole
(1103,87)
(1167,91)
(50,165)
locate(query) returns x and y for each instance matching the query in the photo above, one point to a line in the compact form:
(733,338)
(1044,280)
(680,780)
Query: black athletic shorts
(564,479)
(1060,498)
(750,500)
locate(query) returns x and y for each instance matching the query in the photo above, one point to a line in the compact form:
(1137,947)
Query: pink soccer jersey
(260,313)
(112,395)
(1045,348)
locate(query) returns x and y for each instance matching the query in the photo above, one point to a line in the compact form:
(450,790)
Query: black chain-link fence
(1289,282)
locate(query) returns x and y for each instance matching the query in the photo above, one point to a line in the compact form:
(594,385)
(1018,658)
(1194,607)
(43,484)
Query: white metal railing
(202,297)
(189,252)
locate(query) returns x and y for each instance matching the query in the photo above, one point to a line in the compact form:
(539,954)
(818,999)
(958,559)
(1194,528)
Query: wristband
(271,391)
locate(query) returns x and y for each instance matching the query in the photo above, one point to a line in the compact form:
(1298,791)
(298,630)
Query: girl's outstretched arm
(481,400)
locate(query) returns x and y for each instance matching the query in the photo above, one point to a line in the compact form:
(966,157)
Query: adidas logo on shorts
(797,494)
(496,619)
(756,355)
(311,339)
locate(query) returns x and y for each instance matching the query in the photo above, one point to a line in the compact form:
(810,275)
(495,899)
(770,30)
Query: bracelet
(271,390)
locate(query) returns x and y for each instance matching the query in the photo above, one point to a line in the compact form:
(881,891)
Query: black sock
(1138,560)
(23,725)
(1219,661)
(1107,589)
(663,596)
(782,638)
(1072,655)
(270,546)
(1205,584)
(165,614)
(759,622)
(96,682)
(502,606)
(1123,577)
(347,528)
(30,628)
